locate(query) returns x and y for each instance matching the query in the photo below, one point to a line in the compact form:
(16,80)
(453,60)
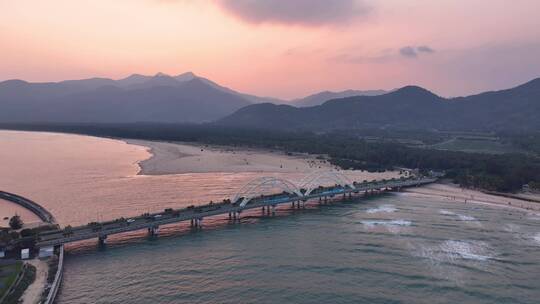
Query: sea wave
(461,217)
(382,208)
(513,228)
(466,250)
(466,218)
(446,212)
(536,238)
(454,250)
(533,216)
(393,226)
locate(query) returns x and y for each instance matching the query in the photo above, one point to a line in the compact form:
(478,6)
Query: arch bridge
(262,192)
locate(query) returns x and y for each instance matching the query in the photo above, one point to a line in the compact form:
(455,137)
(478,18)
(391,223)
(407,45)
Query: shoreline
(500,199)
(46,217)
(186,157)
(450,191)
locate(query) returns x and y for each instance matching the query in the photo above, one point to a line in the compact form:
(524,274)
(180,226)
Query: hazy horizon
(279,49)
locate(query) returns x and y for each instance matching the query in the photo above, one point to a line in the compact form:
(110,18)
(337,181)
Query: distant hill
(166,99)
(410,107)
(321,97)
(249,97)
(137,98)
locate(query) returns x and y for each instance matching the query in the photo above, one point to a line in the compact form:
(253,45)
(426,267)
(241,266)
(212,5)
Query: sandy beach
(178,158)
(460,195)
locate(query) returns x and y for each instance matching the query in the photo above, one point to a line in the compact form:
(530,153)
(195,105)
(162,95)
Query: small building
(2,253)
(407,172)
(25,254)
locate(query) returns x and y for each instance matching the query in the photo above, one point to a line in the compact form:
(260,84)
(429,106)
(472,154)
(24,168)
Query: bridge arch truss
(258,186)
(318,178)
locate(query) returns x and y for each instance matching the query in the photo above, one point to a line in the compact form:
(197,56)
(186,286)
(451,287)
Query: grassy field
(476,145)
(8,273)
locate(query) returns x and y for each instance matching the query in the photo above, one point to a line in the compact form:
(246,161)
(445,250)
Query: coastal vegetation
(14,240)
(15,222)
(8,274)
(19,277)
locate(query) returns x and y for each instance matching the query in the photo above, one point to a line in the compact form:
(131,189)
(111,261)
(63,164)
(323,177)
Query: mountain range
(321,97)
(189,98)
(410,107)
(137,98)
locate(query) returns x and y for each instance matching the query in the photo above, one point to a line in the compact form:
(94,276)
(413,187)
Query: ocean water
(338,253)
(396,248)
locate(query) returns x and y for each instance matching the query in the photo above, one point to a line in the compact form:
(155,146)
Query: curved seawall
(47,217)
(37,209)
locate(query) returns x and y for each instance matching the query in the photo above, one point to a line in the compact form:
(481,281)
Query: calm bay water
(398,248)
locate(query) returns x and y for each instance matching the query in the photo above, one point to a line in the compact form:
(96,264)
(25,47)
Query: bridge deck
(97,230)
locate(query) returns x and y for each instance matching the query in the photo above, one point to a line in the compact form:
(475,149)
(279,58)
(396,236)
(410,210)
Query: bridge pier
(153,231)
(102,240)
(273,209)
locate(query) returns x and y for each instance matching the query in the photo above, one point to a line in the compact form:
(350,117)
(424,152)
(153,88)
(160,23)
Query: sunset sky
(282,48)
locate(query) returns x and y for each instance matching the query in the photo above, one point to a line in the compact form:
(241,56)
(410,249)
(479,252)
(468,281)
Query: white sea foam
(393,226)
(446,212)
(533,216)
(467,218)
(387,223)
(460,216)
(511,228)
(382,208)
(453,251)
(465,250)
(536,238)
